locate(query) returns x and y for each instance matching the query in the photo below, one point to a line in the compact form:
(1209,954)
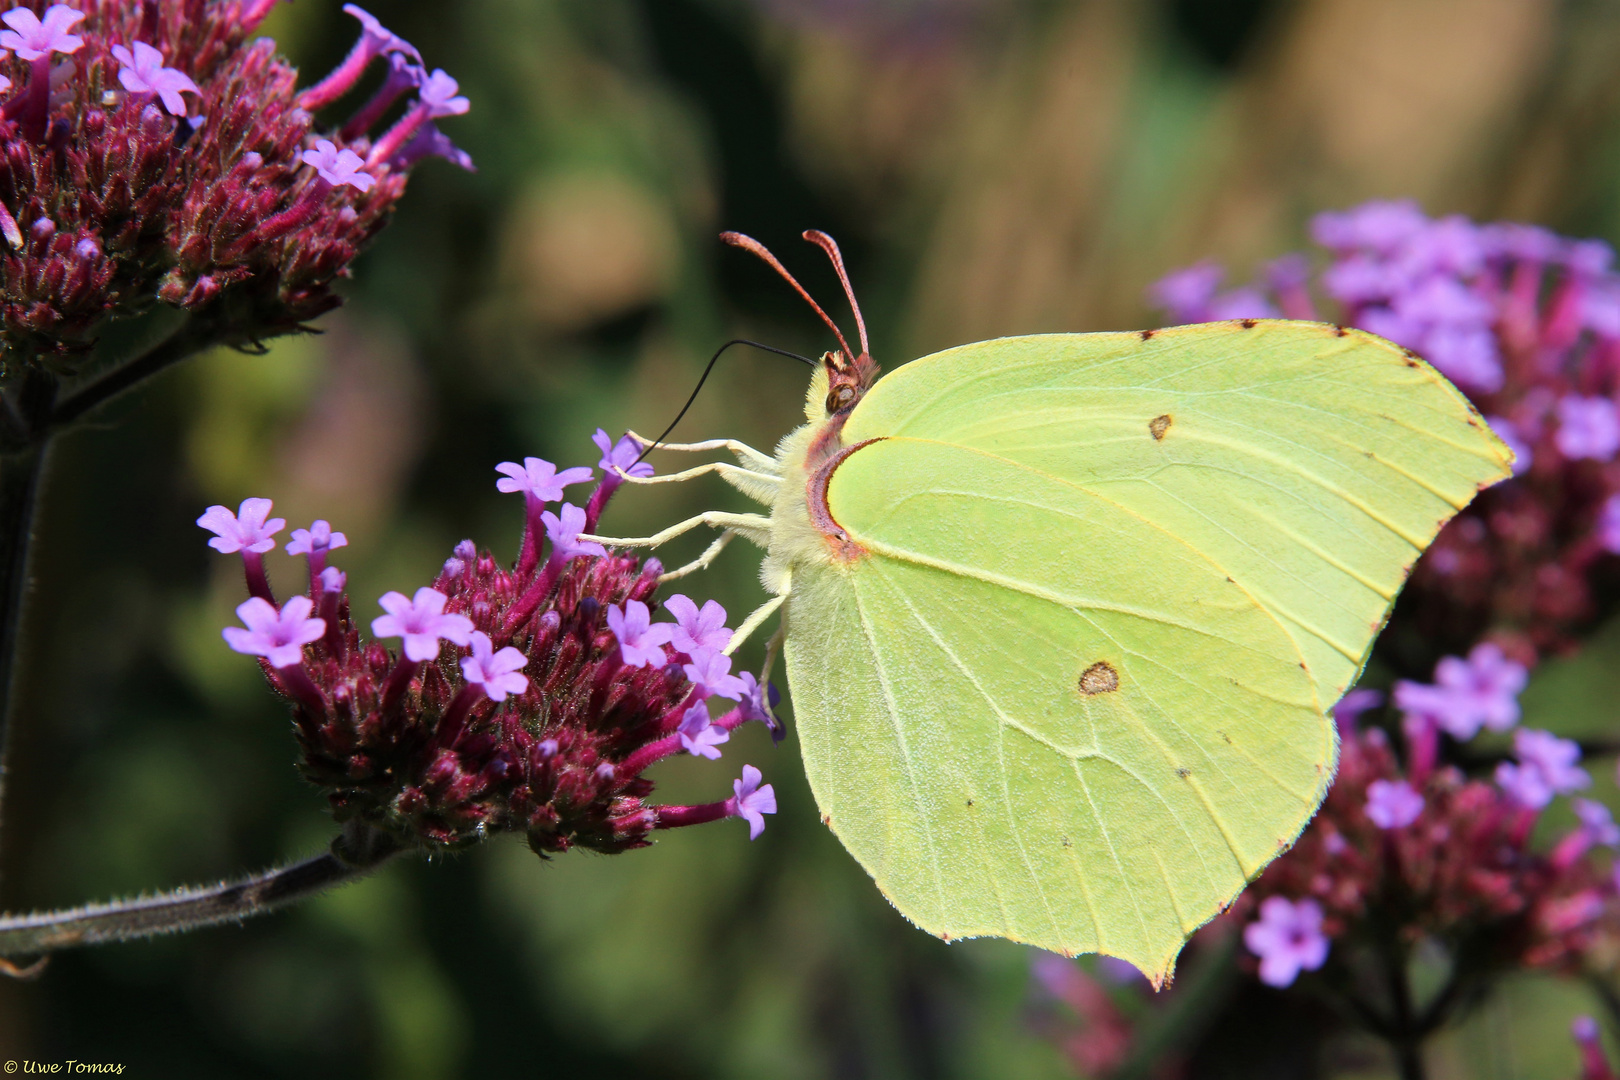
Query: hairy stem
(192,337)
(358,852)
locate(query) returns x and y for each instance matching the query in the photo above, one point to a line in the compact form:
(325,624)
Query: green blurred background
(990,167)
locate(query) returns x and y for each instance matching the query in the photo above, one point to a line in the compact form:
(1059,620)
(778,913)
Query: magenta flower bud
(1392,804)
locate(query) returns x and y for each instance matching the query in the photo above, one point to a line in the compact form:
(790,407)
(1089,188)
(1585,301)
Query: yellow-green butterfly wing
(1074,692)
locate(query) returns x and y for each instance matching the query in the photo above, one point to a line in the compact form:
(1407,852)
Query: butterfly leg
(755,528)
(752,623)
(702,561)
(759,486)
(758,459)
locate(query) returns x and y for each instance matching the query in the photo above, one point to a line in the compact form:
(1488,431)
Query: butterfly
(1063,615)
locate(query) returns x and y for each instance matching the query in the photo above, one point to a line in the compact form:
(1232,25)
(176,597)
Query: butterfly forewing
(1313,464)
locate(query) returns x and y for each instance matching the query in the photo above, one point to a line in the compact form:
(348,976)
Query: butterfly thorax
(803,530)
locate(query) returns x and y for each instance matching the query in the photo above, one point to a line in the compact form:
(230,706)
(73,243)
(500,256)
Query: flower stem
(19,493)
(356,853)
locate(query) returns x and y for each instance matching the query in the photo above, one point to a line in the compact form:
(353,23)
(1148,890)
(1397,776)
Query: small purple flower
(1287,938)
(31,37)
(143,73)
(428,142)
(245,530)
(1353,704)
(278,636)
(1597,822)
(338,167)
(1608,524)
(1482,690)
(439,94)
(499,673)
(1380,225)
(699,736)
(1245,303)
(620,455)
(318,537)
(696,630)
(1186,294)
(376,38)
(641,641)
(1509,433)
(421,622)
(710,672)
(749,801)
(564,534)
(1588,427)
(1547,767)
(757,700)
(538,479)
(1392,804)
(333,580)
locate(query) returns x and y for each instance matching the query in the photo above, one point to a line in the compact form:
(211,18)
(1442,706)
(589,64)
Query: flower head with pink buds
(338,167)
(249,529)
(278,636)
(710,672)
(497,673)
(749,800)
(1287,938)
(143,73)
(564,530)
(33,38)
(538,479)
(421,621)
(641,641)
(318,537)
(699,735)
(697,630)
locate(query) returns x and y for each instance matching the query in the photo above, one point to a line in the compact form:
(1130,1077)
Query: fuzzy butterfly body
(1064,615)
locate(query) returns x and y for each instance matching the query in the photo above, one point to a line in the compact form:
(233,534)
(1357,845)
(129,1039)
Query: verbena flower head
(514,702)
(1527,324)
(164,165)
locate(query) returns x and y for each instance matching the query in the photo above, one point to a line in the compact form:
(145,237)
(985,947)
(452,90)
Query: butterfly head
(845,376)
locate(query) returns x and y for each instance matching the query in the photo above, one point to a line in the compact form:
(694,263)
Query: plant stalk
(357,853)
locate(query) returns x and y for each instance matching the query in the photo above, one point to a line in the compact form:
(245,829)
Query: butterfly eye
(842,397)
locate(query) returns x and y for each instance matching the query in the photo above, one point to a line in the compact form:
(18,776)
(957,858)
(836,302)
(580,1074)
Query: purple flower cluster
(157,153)
(1451,856)
(529,699)
(1526,323)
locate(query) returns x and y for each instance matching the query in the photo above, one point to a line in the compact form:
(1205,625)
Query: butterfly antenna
(735,341)
(748,243)
(830,246)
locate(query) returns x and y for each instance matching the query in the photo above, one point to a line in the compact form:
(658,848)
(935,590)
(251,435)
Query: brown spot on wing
(1146,335)
(1339,331)
(1247,324)
(1099,678)
(1159,425)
